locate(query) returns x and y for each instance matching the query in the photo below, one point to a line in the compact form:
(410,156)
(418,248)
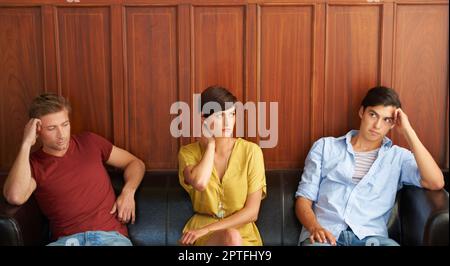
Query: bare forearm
(17,184)
(429,170)
(133,174)
(201,173)
(305,213)
(244,216)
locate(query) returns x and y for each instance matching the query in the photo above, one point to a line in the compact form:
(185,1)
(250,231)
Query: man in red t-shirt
(71,184)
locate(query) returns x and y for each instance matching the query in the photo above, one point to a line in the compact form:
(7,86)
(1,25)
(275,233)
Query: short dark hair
(381,96)
(48,103)
(216,94)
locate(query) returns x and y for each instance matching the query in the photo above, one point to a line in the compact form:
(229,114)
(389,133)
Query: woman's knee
(232,237)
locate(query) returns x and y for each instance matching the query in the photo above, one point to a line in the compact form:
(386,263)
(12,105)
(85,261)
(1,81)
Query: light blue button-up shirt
(338,201)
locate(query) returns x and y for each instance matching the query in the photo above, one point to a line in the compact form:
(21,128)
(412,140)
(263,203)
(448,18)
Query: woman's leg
(226,237)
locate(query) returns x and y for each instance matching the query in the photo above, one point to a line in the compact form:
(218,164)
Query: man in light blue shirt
(349,184)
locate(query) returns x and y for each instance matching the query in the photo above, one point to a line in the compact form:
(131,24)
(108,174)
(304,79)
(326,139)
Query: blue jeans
(93,238)
(348,238)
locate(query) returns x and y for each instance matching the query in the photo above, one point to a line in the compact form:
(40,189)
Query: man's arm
(133,173)
(432,177)
(305,213)
(19,185)
(307,193)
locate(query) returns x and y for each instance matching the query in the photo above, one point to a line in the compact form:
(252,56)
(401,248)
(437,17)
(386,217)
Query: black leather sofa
(420,217)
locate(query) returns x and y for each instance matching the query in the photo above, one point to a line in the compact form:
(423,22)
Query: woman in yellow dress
(225,179)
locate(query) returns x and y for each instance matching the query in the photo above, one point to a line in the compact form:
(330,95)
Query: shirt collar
(386,144)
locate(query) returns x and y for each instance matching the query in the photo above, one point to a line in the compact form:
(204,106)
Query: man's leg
(353,240)
(348,238)
(72,240)
(307,243)
(106,238)
(379,241)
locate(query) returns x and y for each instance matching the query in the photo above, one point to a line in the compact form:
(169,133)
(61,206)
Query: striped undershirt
(363,162)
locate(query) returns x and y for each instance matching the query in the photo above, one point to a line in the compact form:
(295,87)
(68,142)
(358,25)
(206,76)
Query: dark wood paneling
(151,36)
(285,77)
(184,59)
(123,63)
(84,53)
(421,73)
(119,95)
(21,75)
(318,70)
(218,48)
(352,63)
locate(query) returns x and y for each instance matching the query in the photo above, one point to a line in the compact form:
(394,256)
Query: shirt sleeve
(104,145)
(409,174)
(308,186)
(33,168)
(257,172)
(185,158)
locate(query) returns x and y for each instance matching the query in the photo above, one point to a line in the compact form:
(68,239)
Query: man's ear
(361,112)
(38,128)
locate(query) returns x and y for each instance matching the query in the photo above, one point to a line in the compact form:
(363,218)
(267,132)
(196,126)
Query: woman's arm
(248,214)
(198,175)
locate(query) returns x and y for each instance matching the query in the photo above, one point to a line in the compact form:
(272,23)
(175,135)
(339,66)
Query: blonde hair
(48,103)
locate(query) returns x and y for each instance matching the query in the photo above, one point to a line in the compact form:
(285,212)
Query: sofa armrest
(22,225)
(423,216)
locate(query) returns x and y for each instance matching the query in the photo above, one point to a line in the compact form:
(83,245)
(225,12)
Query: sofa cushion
(163,208)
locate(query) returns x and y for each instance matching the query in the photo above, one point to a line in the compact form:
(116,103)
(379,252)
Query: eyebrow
(227,111)
(371,110)
(56,125)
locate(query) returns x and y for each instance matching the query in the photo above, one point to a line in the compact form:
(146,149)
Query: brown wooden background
(123,63)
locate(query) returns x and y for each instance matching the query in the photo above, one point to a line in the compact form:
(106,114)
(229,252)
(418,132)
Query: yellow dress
(245,174)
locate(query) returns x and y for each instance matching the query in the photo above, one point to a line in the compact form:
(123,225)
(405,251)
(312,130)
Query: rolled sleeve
(257,173)
(308,186)
(185,158)
(409,174)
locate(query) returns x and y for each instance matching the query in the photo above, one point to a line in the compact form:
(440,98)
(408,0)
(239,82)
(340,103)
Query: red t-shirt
(75,191)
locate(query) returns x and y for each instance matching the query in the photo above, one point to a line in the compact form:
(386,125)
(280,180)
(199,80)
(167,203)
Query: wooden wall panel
(123,63)
(151,37)
(421,73)
(218,48)
(84,57)
(352,63)
(21,75)
(285,77)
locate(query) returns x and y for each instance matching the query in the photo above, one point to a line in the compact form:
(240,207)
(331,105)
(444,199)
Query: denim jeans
(93,238)
(348,238)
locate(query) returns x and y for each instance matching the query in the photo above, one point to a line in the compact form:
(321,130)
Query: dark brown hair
(381,96)
(216,94)
(48,103)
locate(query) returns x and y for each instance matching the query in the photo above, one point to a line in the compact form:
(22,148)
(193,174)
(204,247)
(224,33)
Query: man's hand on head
(401,121)
(30,134)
